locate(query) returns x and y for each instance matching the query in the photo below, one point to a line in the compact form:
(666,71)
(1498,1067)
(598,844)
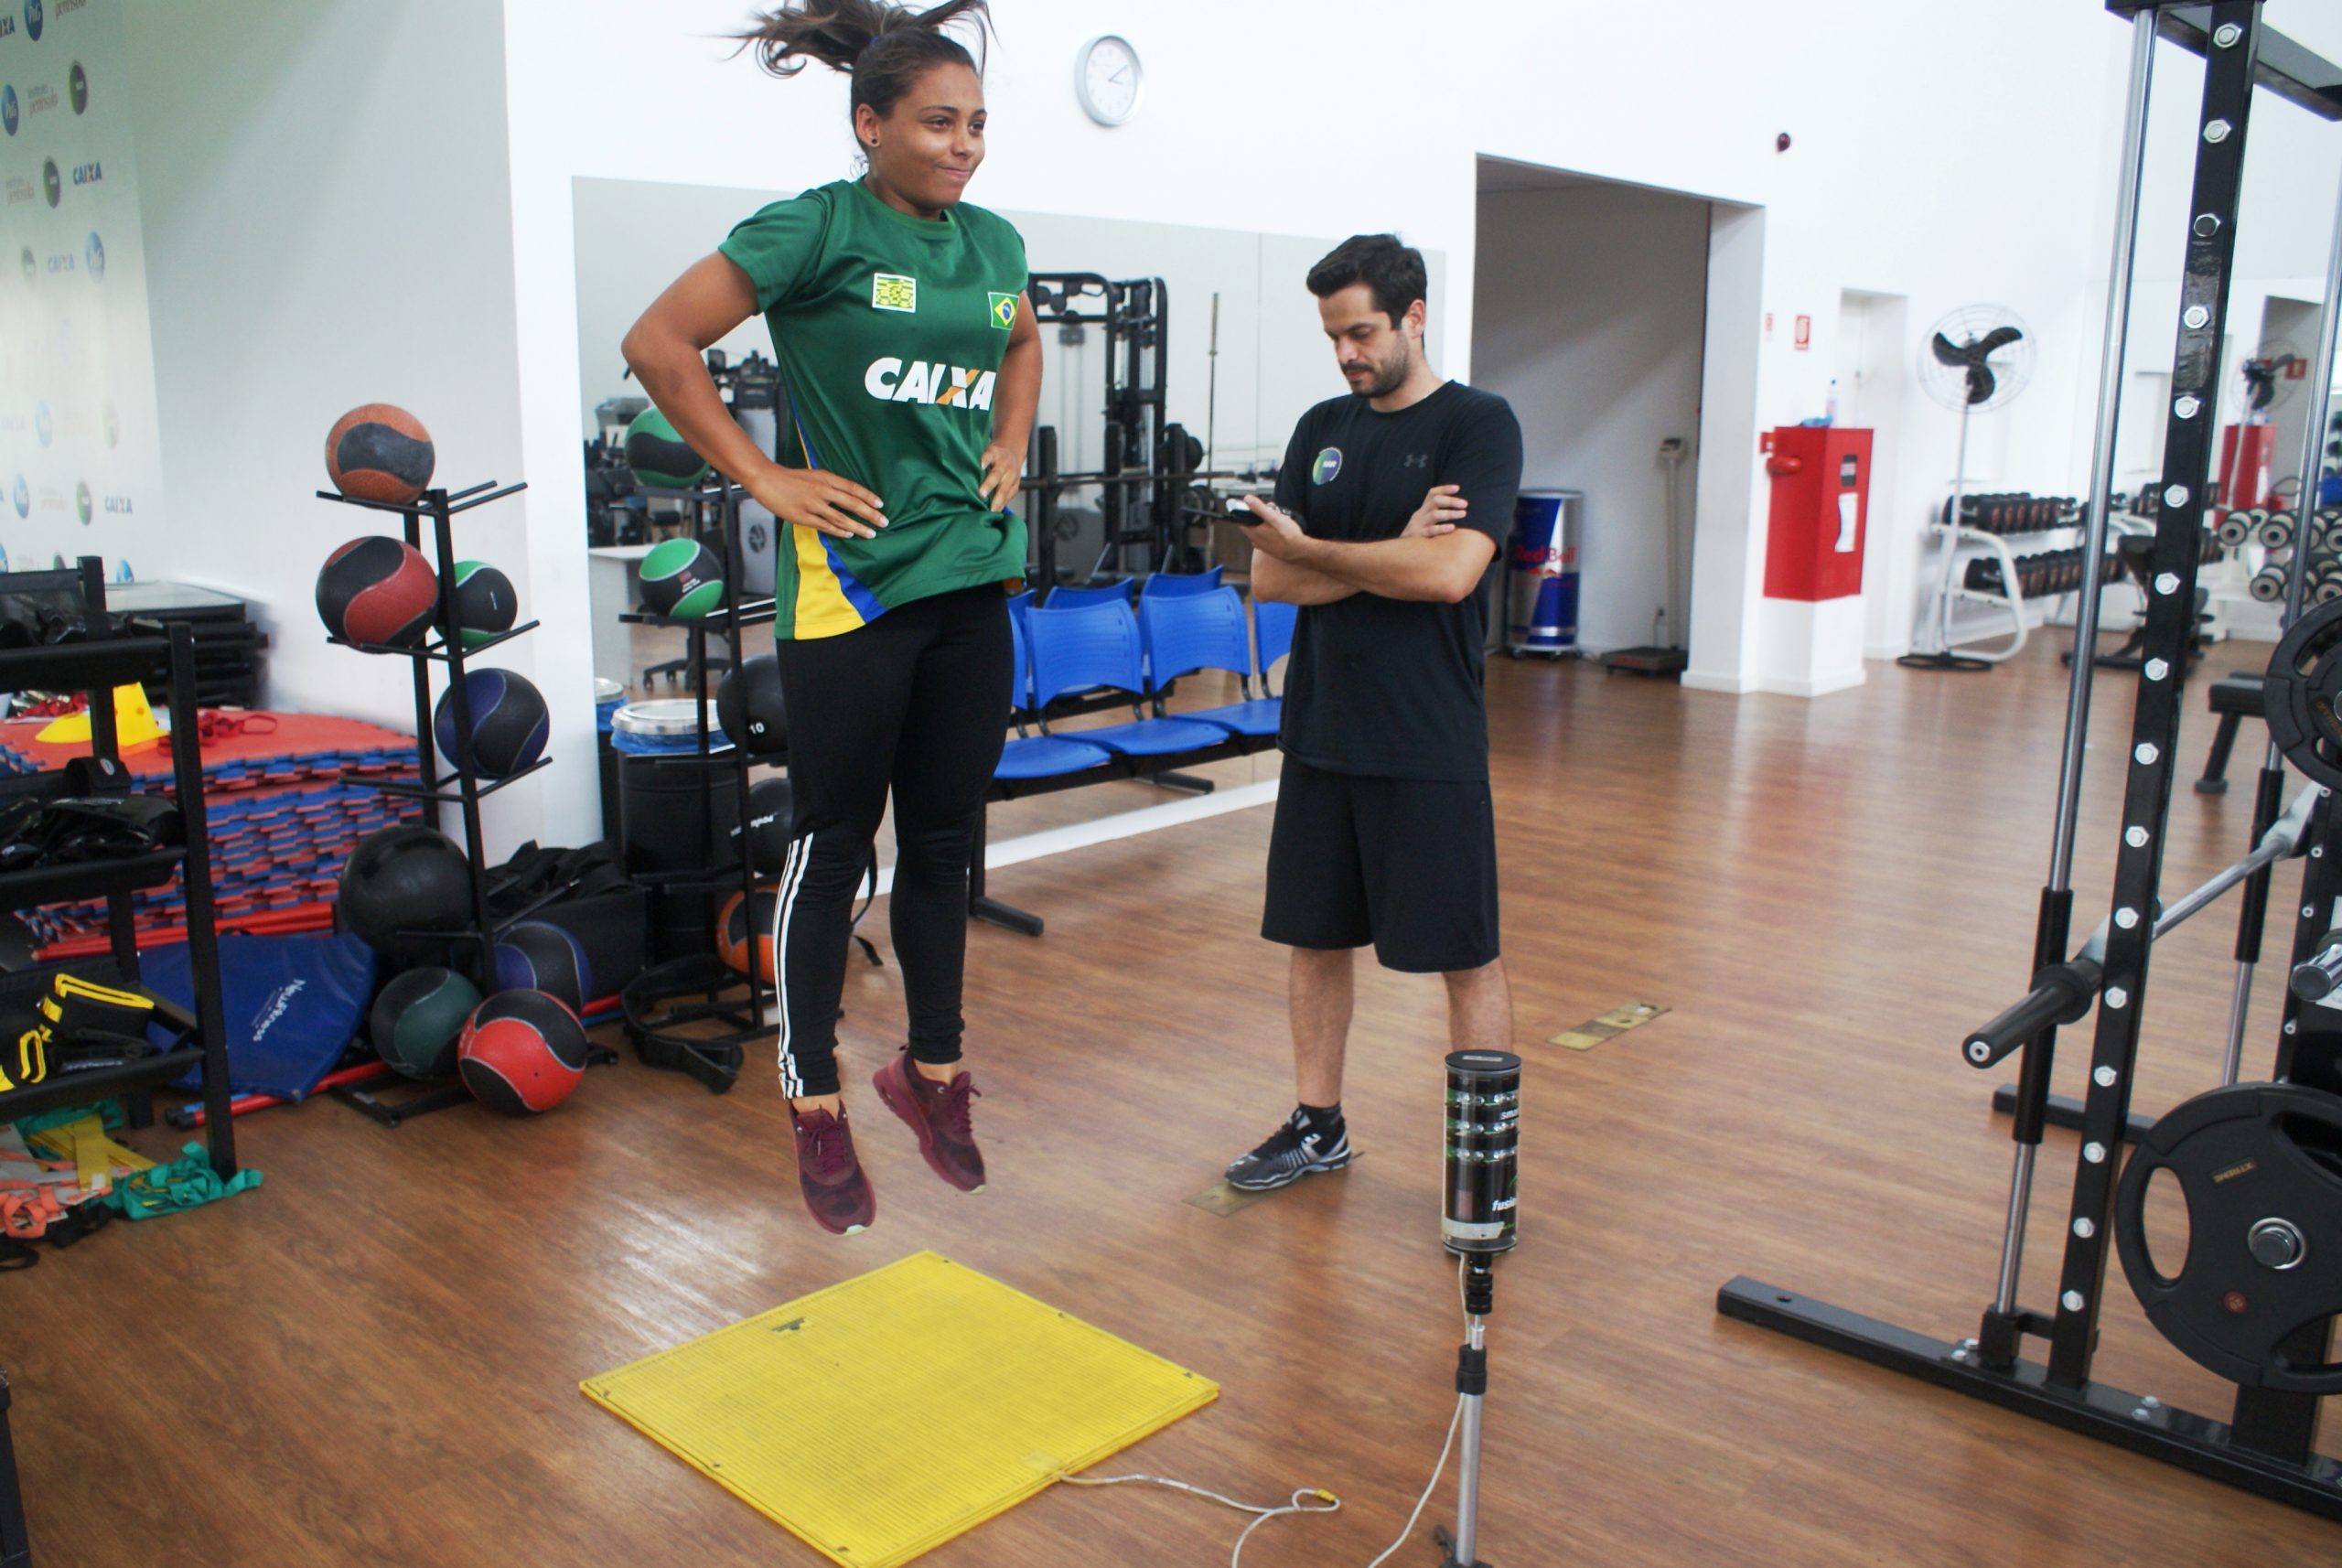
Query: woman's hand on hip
(825,502)
(1004,475)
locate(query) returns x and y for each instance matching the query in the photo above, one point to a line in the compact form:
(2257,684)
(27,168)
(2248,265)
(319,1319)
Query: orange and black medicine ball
(378,591)
(380,452)
(522,1053)
(743,923)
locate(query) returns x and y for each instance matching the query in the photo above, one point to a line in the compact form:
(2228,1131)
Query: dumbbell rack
(721,497)
(463,791)
(2015,550)
(2275,533)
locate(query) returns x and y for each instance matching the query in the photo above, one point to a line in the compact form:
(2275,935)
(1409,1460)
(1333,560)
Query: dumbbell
(2231,530)
(2274,530)
(2268,585)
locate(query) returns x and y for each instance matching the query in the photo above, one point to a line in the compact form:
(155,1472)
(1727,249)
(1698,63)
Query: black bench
(2234,698)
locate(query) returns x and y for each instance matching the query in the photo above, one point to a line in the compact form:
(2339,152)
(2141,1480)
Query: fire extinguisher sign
(1804,334)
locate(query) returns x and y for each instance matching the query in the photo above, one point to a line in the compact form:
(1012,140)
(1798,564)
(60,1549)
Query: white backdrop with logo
(80,457)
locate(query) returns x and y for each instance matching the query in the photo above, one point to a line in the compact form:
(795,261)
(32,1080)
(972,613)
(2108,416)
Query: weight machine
(1150,478)
(2259,1165)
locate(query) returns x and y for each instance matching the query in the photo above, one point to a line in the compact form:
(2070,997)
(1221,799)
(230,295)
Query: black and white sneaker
(1295,1150)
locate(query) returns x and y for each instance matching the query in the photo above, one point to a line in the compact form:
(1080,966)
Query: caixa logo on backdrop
(81,501)
(52,183)
(43,426)
(94,256)
(87,174)
(34,17)
(77,87)
(32,266)
(22,496)
(9,118)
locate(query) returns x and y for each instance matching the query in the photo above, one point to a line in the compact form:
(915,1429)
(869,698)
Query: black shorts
(1409,865)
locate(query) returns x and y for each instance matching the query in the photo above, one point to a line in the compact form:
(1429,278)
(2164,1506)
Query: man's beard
(1388,378)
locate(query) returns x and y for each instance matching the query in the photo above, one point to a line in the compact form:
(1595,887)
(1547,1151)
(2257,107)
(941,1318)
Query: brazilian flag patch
(892,291)
(1004,311)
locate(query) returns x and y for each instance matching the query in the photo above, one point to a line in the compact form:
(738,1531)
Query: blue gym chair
(1271,635)
(1044,756)
(1089,646)
(1160,585)
(1066,599)
(1187,632)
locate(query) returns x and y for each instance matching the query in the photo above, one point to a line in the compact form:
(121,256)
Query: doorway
(1590,317)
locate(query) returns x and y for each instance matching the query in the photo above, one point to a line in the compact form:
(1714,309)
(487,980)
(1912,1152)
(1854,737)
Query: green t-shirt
(889,330)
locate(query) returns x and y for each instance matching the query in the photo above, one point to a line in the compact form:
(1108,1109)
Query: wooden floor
(374,1358)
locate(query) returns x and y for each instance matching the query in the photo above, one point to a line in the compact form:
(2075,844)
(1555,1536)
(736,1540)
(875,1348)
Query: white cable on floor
(1452,1422)
(1327,1502)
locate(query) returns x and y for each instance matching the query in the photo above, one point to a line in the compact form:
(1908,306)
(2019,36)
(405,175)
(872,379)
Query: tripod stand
(1471,1387)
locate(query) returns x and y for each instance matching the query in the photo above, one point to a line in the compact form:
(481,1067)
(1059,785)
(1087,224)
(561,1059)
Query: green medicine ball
(418,1019)
(659,458)
(683,577)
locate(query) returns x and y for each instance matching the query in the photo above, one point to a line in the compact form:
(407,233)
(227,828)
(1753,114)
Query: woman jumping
(911,368)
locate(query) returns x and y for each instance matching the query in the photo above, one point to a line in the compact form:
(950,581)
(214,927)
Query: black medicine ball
(408,879)
(771,817)
(508,722)
(757,722)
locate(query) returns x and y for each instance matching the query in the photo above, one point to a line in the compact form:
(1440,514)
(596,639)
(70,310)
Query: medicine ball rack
(2291,1129)
(464,790)
(721,497)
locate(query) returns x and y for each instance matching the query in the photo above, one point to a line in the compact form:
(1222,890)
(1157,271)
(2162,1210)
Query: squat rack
(2268,1446)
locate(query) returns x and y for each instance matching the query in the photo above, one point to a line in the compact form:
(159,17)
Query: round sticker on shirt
(1328,464)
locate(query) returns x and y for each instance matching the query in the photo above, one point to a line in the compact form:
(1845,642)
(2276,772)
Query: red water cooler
(1820,509)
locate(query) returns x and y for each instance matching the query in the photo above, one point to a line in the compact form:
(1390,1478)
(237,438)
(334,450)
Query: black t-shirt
(1393,687)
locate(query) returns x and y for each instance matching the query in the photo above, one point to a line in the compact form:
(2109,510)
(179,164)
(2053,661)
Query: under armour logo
(1415,460)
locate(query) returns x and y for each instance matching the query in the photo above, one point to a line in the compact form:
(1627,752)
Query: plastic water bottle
(1829,407)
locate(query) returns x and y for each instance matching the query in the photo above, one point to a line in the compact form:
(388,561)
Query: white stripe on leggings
(792,877)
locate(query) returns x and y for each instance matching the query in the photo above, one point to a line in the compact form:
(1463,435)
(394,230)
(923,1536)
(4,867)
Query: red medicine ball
(380,452)
(379,591)
(522,1052)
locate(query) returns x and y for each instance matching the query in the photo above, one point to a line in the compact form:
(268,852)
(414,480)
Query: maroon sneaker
(938,1112)
(836,1192)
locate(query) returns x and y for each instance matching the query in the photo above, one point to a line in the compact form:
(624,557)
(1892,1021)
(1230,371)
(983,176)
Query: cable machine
(2259,1165)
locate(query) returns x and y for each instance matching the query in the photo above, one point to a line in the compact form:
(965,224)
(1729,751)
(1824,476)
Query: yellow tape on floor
(882,1416)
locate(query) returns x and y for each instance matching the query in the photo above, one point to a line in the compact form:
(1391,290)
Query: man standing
(1390,507)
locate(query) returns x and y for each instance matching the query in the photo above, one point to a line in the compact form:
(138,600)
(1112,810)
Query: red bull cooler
(1540,601)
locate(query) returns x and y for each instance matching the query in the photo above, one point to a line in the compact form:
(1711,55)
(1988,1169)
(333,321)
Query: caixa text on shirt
(891,381)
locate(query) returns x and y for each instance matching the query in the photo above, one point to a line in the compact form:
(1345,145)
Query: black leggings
(917,700)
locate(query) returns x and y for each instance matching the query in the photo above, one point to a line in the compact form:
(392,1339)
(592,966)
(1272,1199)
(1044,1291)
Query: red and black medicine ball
(380,452)
(522,1053)
(379,591)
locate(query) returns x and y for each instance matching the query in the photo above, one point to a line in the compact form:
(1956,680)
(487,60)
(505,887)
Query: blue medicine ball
(508,722)
(537,955)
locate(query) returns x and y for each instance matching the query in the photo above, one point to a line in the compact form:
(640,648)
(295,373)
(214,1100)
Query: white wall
(1590,302)
(325,197)
(312,146)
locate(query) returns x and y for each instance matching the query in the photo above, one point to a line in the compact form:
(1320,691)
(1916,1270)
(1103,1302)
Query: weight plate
(2259,1165)
(2304,681)
(2232,530)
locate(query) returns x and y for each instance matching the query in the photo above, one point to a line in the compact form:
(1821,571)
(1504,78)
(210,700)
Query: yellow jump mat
(882,1416)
